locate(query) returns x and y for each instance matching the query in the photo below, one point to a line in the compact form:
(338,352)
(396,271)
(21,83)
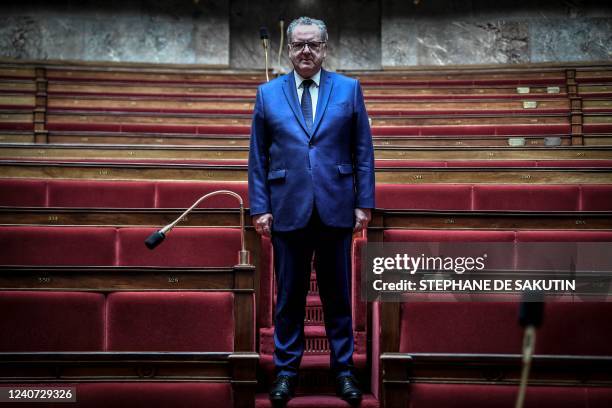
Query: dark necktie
(307,103)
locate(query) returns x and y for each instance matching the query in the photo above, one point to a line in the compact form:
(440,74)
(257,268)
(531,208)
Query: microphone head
(531,310)
(263,33)
(155,239)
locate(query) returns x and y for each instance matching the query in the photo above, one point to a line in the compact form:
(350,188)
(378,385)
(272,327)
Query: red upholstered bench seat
(229,111)
(98,78)
(526,198)
(239,109)
(596,197)
(488,197)
(485,396)
(597,128)
(183,194)
(215,93)
(16,126)
(530,163)
(442,326)
(31,245)
(498,256)
(52,321)
(564,236)
(586,258)
(520,257)
(424,130)
(122,321)
(141,394)
(424,196)
(23,193)
(170,321)
(373,94)
(490,163)
(401,235)
(25,105)
(574,163)
(581,328)
(185,247)
(144,127)
(507,130)
(474,80)
(463,110)
(108,194)
(108,246)
(151,395)
(601,77)
(435,235)
(185,162)
(117,193)
(179,194)
(126,321)
(381,163)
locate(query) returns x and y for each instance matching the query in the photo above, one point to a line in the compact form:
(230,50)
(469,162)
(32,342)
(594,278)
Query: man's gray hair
(307,21)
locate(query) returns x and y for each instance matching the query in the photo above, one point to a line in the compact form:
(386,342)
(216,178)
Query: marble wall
(177,31)
(588,39)
(439,32)
(364,34)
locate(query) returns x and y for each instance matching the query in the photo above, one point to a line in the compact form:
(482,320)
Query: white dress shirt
(314,90)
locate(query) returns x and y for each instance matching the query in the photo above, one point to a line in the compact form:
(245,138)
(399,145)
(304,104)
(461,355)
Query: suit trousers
(293,254)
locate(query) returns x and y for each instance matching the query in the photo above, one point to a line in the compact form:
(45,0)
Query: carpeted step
(313,362)
(314,311)
(315,374)
(314,289)
(317,401)
(316,340)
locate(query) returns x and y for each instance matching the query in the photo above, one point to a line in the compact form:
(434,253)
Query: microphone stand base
(243,258)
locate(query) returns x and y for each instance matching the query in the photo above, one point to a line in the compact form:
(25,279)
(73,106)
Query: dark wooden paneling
(211,153)
(112,279)
(401,175)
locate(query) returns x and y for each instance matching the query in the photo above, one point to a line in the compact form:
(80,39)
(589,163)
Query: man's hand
(362,218)
(263,224)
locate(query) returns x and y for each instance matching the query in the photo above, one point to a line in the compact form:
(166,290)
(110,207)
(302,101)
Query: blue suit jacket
(332,166)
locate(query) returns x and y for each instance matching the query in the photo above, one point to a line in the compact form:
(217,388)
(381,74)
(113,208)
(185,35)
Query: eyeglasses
(312,45)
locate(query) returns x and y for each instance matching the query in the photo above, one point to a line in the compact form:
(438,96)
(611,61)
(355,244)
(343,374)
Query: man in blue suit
(311,185)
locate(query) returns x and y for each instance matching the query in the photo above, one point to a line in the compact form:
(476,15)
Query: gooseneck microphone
(531,313)
(265,42)
(155,239)
(158,237)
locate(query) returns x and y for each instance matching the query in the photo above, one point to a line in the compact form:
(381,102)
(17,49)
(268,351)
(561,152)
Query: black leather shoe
(283,389)
(347,389)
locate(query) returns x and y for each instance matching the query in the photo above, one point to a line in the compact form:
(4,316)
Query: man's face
(307,61)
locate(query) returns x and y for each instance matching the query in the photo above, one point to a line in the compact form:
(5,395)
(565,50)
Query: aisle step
(314,311)
(317,401)
(315,338)
(315,374)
